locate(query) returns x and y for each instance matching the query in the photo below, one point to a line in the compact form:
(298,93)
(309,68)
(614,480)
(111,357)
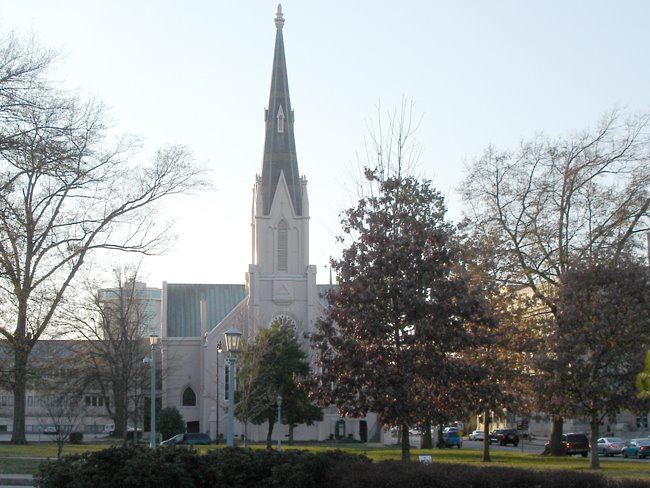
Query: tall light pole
(279,422)
(233,345)
(153,340)
(216,440)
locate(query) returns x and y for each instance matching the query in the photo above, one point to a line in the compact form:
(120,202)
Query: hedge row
(134,466)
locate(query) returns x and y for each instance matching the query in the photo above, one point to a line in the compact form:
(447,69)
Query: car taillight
(568,445)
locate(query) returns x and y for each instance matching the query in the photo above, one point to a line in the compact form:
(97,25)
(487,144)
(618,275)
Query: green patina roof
(322,293)
(184,306)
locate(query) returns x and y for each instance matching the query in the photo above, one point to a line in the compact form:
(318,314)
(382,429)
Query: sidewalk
(15,480)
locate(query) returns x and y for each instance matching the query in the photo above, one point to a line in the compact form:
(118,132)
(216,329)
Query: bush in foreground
(135,466)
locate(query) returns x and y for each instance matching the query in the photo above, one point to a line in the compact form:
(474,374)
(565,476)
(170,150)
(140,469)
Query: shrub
(169,422)
(136,466)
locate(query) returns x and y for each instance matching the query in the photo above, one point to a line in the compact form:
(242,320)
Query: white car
(476,435)
(610,446)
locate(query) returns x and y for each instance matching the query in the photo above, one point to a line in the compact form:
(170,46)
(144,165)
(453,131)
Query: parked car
(505,436)
(610,446)
(575,443)
(452,438)
(638,448)
(190,439)
(476,435)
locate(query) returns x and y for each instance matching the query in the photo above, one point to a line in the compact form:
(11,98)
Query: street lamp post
(216,441)
(233,344)
(153,340)
(279,422)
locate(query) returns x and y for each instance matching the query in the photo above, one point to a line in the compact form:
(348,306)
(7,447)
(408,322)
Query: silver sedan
(476,435)
(610,446)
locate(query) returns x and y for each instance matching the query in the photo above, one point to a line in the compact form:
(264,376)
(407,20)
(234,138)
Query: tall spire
(280,145)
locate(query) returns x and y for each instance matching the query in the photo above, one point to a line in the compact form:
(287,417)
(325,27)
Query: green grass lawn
(25,459)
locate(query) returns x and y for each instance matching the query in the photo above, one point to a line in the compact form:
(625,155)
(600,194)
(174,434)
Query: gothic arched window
(283,246)
(189,397)
(280,120)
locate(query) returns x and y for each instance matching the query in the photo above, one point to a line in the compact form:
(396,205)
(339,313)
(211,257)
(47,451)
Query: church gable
(282,204)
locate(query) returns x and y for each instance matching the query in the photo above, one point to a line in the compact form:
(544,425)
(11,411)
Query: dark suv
(576,444)
(505,436)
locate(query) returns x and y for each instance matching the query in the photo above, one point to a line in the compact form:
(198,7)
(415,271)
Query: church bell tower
(281,283)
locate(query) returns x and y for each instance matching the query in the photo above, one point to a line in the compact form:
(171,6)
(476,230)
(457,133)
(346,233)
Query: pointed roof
(280,145)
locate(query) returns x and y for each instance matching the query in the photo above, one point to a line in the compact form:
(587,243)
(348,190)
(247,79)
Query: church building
(280,286)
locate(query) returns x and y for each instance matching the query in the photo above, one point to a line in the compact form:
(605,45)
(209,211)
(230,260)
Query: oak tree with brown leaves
(600,339)
(393,338)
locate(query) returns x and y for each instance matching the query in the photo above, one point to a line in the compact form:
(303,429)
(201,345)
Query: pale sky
(197,72)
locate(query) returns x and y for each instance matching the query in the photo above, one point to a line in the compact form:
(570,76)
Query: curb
(7,480)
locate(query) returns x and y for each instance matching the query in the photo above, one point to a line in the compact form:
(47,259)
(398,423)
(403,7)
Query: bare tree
(553,202)
(57,375)
(22,67)
(113,322)
(65,410)
(65,194)
(391,150)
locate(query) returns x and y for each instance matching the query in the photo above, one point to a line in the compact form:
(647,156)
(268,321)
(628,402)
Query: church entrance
(363,431)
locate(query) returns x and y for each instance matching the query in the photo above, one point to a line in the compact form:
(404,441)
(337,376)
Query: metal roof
(184,306)
(280,144)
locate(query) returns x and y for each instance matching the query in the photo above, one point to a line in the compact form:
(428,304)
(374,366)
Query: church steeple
(280,145)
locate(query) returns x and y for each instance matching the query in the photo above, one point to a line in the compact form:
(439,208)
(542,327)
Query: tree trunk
(486,436)
(269,434)
(557,449)
(121,411)
(291,427)
(441,441)
(594,423)
(135,438)
(19,388)
(406,443)
(427,442)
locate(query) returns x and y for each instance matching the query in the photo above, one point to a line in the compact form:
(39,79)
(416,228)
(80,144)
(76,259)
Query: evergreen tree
(169,422)
(272,366)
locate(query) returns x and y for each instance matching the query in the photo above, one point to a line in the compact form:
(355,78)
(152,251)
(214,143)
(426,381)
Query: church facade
(280,286)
